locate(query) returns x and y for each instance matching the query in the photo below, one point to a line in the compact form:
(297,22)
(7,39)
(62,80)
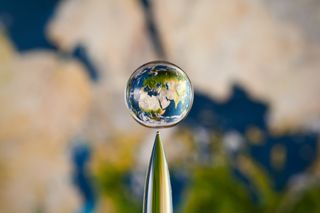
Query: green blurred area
(215,187)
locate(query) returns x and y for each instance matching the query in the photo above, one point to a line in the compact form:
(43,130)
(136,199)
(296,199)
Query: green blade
(157,193)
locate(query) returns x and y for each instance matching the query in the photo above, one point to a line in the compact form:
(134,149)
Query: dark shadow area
(26,23)
(81,154)
(239,113)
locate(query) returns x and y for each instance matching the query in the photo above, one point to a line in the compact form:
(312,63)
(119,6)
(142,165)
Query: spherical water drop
(159,94)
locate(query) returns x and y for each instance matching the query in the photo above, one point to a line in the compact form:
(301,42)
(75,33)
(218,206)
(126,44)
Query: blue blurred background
(249,144)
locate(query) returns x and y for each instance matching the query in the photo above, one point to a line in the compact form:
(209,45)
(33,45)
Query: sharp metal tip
(157,192)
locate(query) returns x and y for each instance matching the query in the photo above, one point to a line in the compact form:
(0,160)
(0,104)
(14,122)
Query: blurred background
(249,144)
